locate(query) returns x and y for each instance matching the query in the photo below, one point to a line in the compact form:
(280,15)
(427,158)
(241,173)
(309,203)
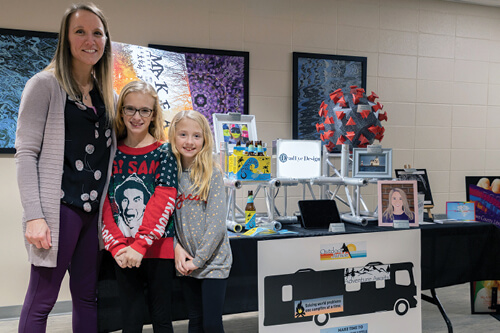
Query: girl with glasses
(138,223)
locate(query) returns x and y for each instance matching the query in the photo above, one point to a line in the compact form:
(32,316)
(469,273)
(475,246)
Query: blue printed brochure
(461,211)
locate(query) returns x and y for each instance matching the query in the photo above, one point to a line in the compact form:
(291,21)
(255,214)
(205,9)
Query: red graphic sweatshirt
(138,210)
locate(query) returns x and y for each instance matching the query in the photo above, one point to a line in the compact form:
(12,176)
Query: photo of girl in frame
(232,128)
(235,133)
(397,200)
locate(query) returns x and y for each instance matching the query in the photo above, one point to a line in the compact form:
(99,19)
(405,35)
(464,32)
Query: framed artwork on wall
(372,164)
(420,175)
(397,200)
(218,80)
(315,76)
(16,48)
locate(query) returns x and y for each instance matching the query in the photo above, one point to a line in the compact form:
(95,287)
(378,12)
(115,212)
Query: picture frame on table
(461,210)
(420,175)
(218,79)
(315,76)
(17,47)
(397,200)
(372,163)
(232,128)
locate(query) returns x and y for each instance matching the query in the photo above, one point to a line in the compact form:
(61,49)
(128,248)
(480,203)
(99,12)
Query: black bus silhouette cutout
(308,294)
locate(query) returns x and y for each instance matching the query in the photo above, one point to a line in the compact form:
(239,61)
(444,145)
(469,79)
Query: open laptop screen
(318,214)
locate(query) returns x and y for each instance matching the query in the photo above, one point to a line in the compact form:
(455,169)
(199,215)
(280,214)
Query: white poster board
(298,159)
(357,283)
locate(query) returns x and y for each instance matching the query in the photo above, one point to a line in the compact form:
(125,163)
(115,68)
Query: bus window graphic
(320,295)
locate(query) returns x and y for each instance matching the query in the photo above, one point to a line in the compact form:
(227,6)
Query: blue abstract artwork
(22,54)
(315,76)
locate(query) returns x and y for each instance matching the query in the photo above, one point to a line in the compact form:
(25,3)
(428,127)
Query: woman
(65,149)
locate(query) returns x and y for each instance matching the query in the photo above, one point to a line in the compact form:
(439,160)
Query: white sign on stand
(298,159)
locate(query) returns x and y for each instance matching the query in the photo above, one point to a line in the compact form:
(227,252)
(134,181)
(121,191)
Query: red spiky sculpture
(351,118)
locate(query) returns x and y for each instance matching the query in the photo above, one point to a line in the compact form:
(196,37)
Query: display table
(450,254)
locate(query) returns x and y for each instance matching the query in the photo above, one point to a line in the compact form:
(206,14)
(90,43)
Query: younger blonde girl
(202,252)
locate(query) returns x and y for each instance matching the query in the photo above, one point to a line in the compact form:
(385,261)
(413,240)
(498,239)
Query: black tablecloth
(450,254)
(457,253)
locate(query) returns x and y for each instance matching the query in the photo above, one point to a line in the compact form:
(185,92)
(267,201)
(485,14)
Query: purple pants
(78,254)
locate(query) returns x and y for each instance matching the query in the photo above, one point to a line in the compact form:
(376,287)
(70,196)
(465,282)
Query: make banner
(165,71)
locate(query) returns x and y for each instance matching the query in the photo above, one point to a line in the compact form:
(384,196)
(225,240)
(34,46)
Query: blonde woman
(64,153)
(398,208)
(202,252)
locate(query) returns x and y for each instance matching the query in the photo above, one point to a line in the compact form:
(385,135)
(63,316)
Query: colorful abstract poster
(485,191)
(22,54)
(218,79)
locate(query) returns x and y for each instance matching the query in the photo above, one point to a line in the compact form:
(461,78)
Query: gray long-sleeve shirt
(201,228)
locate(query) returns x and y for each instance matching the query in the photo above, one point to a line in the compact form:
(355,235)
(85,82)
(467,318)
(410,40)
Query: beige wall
(434,64)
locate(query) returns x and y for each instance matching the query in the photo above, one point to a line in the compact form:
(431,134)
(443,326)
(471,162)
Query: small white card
(401,224)
(336,227)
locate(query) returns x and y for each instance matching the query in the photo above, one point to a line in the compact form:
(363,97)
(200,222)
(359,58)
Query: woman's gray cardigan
(40,157)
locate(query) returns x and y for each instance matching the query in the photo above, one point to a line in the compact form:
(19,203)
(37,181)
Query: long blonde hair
(156,125)
(203,165)
(102,71)
(389,212)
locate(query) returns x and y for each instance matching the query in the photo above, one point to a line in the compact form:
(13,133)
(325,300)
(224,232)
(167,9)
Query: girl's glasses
(130,111)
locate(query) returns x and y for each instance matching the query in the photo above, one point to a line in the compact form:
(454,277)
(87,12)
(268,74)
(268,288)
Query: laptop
(318,214)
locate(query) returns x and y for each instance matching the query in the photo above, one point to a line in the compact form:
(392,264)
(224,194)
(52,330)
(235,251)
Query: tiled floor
(455,300)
